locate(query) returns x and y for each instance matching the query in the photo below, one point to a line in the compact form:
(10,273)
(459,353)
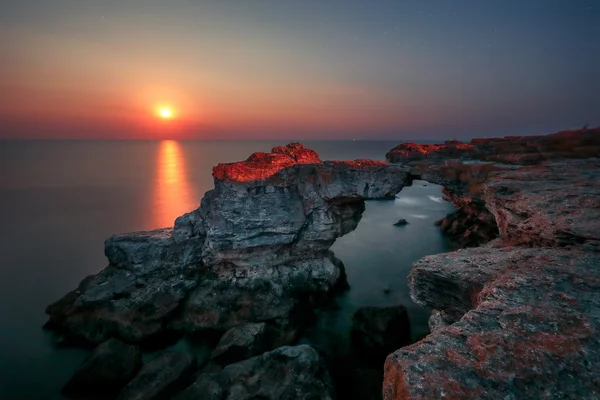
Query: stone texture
(287,373)
(108,369)
(161,378)
(241,342)
(378,331)
(233,295)
(149,276)
(532,331)
(518,318)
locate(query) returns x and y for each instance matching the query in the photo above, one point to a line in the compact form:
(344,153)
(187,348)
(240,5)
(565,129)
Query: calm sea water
(60,200)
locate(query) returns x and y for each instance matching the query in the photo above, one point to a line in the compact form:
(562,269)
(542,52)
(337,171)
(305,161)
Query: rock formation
(256,250)
(518,318)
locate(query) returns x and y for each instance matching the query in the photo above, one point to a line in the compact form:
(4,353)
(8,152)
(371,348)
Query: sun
(165,113)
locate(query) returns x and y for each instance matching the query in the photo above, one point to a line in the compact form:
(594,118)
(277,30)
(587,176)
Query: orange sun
(165,113)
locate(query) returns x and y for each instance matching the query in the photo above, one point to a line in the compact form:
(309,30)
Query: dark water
(60,200)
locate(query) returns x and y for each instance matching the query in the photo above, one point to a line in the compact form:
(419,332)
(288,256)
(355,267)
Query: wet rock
(161,378)
(378,331)
(401,222)
(108,369)
(240,343)
(296,372)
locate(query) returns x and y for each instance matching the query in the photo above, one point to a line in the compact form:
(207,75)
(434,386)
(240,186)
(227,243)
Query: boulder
(240,343)
(378,331)
(401,222)
(108,369)
(161,378)
(286,373)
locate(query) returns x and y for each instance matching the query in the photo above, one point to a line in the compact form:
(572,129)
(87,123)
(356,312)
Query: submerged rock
(161,378)
(108,369)
(401,222)
(296,372)
(378,331)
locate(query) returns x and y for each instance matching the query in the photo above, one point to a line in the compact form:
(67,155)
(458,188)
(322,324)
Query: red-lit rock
(260,166)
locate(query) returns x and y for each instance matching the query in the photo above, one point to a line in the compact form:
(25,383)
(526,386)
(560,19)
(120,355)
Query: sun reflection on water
(173,195)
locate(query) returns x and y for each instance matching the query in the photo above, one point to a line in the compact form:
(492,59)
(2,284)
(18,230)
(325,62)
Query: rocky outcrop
(107,370)
(149,276)
(256,250)
(286,373)
(517,318)
(161,378)
(378,331)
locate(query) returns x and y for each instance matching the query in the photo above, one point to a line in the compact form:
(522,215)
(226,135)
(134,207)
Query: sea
(59,201)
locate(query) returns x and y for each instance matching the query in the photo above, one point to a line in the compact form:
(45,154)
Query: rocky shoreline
(519,317)
(254,258)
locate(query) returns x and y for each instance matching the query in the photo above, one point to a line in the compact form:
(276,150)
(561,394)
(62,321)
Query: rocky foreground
(516,317)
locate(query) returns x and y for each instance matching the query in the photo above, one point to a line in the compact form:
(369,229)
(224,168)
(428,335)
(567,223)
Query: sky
(297,69)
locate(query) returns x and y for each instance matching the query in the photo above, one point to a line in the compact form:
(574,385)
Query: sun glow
(165,113)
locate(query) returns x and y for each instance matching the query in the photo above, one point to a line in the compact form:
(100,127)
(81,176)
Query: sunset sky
(297,69)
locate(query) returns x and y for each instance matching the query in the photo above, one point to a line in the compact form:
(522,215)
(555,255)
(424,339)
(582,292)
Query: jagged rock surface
(286,373)
(528,317)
